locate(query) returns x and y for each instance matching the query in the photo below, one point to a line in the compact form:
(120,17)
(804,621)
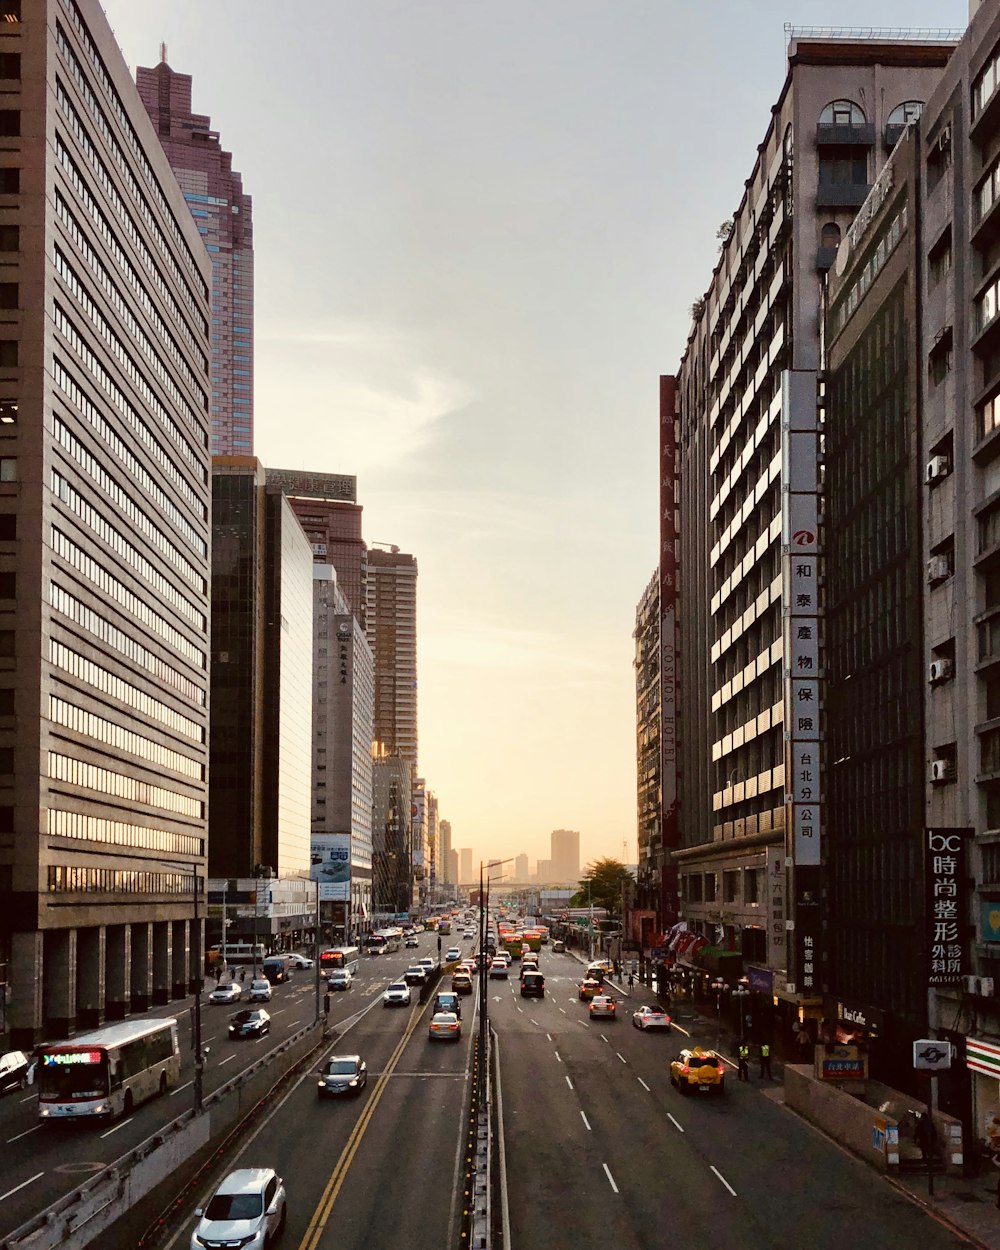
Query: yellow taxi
(590,989)
(698,1069)
(461,983)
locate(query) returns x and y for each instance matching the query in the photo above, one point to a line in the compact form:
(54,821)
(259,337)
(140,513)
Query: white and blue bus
(336,957)
(104,1074)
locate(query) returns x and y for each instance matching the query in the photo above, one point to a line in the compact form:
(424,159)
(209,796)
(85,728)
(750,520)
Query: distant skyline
(478,232)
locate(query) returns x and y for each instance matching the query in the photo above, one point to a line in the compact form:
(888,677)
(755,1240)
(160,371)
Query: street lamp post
(483,921)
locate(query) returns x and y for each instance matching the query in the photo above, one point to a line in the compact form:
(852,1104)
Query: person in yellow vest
(742,1057)
(765,1061)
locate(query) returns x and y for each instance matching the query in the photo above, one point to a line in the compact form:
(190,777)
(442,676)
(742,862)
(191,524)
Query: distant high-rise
(392,635)
(465,866)
(444,859)
(224,217)
(565,855)
(327,508)
(544,874)
(521,868)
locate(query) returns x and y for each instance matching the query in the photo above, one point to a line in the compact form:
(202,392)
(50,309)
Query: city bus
(235,953)
(384,941)
(336,957)
(444,925)
(104,1074)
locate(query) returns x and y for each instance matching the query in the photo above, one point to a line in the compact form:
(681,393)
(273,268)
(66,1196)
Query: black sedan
(251,1022)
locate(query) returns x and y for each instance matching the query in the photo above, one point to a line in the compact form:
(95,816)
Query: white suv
(248,1209)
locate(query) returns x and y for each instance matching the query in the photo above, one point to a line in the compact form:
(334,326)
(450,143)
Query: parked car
(259,992)
(248,1209)
(342,1074)
(250,1022)
(223,994)
(699,1069)
(604,1006)
(651,1018)
(16,1071)
(396,995)
(445,1026)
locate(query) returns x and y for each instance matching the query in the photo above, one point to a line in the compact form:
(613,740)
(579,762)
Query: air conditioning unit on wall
(986,987)
(938,568)
(940,670)
(942,770)
(970,985)
(937,468)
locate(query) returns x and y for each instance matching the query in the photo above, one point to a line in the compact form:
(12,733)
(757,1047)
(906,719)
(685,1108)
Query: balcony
(842,194)
(844,134)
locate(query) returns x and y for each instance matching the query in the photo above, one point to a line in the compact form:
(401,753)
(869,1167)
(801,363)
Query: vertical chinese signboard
(670,826)
(801,611)
(944,874)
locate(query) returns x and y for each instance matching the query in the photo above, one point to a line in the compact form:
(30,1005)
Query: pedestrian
(243,975)
(631,980)
(743,1058)
(765,1061)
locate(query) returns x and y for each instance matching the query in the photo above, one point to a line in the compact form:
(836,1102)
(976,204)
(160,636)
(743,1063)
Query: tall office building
(262,677)
(343,707)
(646,916)
(444,841)
(544,874)
(223,215)
(392,636)
(327,508)
(521,869)
(565,856)
(104,538)
(465,868)
(453,867)
(392,871)
(743,412)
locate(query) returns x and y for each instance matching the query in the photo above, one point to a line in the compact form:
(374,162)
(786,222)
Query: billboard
(331,866)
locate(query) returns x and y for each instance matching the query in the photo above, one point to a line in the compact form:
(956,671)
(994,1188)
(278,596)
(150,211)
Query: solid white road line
(558,1056)
(611,1179)
(563,1010)
(604,1039)
(621,1056)
(21,1186)
(226,1060)
(675,1025)
(569,1082)
(549,1036)
(723,1179)
(117,1127)
(674,1123)
(535,1023)
(28,1099)
(586,1122)
(519,1009)
(24,1134)
(643,1084)
(180,1087)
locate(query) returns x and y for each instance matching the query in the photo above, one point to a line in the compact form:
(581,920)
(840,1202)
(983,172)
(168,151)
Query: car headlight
(354,1082)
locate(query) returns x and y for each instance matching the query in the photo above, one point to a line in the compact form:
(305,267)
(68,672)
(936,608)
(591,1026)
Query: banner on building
(331,866)
(944,873)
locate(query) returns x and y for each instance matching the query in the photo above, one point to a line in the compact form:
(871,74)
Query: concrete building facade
(466,869)
(392,635)
(223,216)
(104,539)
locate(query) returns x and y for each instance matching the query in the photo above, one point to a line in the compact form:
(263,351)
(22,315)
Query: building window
(10,180)
(10,65)
(905,113)
(710,887)
(940,359)
(843,165)
(7,643)
(830,235)
(10,123)
(751,885)
(731,886)
(8,468)
(939,258)
(989,416)
(10,240)
(984,88)
(8,294)
(8,360)
(842,113)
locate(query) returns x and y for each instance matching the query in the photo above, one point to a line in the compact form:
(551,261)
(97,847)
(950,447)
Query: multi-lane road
(599,1148)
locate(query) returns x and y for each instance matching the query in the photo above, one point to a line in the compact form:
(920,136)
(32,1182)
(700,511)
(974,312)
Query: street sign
(931,1055)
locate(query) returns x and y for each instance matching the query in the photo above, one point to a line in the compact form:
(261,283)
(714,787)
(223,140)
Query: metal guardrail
(895,34)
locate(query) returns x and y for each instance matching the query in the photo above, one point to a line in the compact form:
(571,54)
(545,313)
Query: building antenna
(163,54)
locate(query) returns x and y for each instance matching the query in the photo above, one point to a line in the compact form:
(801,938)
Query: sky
(478,228)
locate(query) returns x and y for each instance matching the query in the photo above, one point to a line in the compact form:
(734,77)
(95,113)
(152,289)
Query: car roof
(445,1015)
(245,1181)
(344,1059)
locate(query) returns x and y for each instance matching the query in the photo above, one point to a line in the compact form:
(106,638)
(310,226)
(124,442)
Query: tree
(604,877)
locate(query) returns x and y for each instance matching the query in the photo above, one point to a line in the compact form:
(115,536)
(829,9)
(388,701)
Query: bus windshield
(73,1074)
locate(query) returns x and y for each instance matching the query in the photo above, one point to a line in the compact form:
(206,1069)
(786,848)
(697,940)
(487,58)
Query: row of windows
(131,414)
(120,833)
(97,473)
(99,576)
(109,683)
(109,436)
(129,366)
(81,721)
(112,538)
(984,88)
(118,300)
(100,627)
(106,781)
(74,879)
(986,306)
(859,287)
(106,232)
(125,169)
(129,131)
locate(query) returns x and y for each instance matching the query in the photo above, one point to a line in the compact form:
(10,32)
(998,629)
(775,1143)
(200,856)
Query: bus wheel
(127,1107)
(163,1083)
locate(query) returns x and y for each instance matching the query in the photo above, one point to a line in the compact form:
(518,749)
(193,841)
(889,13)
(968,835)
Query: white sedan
(300,961)
(230,993)
(452,953)
(651,1018)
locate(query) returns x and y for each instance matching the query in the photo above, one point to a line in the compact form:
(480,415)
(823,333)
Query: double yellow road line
(324,1207)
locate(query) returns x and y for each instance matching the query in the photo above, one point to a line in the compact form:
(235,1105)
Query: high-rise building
(453,866)
(343,708)
(646,916)
(327,508)
(392,635)
(544,874)
(465,869)
(748,845)
(262,677)
(392,873)
(104,538)
(223,216)
(444,835)
(521,869)
(565,856)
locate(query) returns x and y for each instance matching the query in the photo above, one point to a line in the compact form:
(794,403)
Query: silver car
(396,995)
(248,1209)
(342,1074)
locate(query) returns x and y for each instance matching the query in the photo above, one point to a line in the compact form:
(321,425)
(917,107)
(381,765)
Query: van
(14,1070)
(532,985)
(276,968)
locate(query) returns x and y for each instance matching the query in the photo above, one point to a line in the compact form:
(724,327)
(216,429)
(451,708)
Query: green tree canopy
(604,877)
